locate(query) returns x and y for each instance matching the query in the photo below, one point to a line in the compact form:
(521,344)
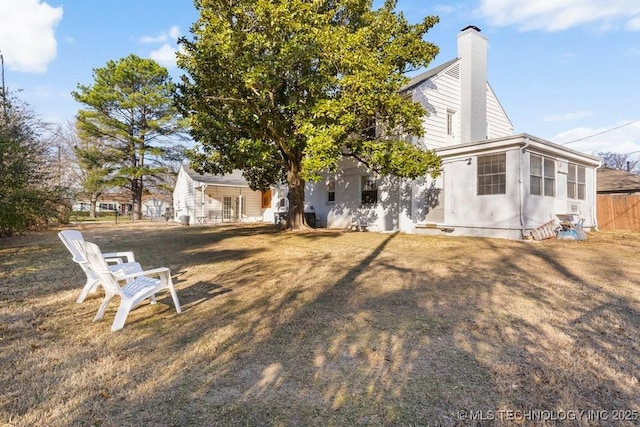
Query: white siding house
(214,199)
(492,183)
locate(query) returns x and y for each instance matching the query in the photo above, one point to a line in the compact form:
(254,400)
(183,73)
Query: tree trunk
(295,218)
(136,196)
(92,208)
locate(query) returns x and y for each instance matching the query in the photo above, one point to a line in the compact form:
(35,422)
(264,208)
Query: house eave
(517,141)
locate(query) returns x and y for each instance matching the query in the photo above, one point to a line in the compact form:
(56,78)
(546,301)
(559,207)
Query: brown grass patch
(323,328)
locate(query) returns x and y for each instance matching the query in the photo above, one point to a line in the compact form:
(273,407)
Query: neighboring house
(492,184)
(618,200)
(153,205)
(213,199)
(108,202)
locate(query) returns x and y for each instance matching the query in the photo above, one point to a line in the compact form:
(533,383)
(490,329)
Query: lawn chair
(73,239)
(132,293)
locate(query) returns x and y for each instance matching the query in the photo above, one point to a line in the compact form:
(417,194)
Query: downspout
(521,184)
(595,195)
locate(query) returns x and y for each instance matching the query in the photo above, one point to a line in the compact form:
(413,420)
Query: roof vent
(454,71)
(472,27)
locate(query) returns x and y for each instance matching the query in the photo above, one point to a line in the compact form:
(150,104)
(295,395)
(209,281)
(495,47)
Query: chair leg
(174,297)
(103,306)
(121,315)
(168,282)
(88,287)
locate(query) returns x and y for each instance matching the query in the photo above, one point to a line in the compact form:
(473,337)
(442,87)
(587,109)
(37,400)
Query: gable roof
(416,80)
(234,179)
(617,181)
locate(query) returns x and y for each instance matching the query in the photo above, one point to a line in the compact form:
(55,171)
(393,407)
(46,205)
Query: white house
(214,199)
(154,205)
(492,184)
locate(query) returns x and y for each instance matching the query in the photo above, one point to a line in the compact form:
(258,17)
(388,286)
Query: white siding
(442,94)
(438,95)
(540,209)
(498,122)
(197,199)
(347,208)
(183,196)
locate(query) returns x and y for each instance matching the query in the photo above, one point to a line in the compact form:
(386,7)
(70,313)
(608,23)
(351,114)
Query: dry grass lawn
(325,328)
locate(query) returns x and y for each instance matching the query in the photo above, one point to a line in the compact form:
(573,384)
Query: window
(492,175)
(450,115)
(576,182)
(227,209)
(331,191)
(369,192)
(542,181)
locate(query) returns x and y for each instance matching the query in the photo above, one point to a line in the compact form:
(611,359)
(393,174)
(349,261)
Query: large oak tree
(284,89)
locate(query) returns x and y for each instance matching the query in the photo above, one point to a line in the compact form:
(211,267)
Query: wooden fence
(618,212)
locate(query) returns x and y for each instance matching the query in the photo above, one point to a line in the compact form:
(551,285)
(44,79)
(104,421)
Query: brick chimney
(472,51)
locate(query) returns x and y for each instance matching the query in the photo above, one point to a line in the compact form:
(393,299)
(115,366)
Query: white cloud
(153,39)
(557,15)
(27,39)
(165,56)
(621,137)
(634,23)
(169,36)
(174,32)
(565,117)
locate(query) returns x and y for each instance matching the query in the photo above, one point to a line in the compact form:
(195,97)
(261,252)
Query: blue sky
(564,70)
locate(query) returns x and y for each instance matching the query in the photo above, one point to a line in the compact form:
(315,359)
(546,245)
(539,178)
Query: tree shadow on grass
(382,336)
(198,293)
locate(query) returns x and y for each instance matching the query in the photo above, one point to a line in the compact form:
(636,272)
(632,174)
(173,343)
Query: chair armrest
(126,254)
(122,269)
(153,271)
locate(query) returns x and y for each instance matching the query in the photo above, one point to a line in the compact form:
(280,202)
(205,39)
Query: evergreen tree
(130,108)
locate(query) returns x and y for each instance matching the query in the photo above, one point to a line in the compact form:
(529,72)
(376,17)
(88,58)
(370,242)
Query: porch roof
(234,179)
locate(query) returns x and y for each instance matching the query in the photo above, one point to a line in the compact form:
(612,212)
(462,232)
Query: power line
(600,133)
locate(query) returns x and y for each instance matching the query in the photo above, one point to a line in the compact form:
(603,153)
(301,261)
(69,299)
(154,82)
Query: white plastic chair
(73,239)
(132,293)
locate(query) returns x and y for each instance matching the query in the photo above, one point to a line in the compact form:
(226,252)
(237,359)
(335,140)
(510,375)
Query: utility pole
(4,91)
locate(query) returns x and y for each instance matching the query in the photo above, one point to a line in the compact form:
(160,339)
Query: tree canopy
(619,161)
(130,110)
(284,89)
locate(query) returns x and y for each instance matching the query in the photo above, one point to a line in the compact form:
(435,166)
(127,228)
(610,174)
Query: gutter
(521,183)
(595,195)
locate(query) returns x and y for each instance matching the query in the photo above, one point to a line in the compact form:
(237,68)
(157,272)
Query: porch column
(202,199)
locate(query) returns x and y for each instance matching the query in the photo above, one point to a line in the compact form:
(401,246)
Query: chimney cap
(473,27)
